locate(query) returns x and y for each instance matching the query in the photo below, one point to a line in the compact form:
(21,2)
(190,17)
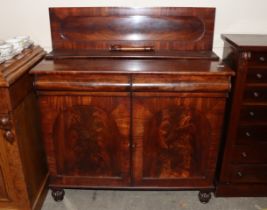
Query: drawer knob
(239,173)
(259,76)
(4,121)
(262,58)
(256,94)
(251,113)
(244,154)
(9,136)
(248,134)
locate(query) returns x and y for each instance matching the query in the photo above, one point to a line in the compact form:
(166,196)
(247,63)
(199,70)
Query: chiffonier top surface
(247,41)
(131,66)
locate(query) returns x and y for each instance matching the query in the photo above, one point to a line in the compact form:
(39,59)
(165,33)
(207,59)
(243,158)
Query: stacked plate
(12,47)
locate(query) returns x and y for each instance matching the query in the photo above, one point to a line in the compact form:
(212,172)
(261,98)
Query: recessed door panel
(90,138)
(176,139)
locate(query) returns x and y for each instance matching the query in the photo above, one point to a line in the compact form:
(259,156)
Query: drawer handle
(244,154)
(256,94)
(262,58)
(252,114)
(239,173)
(259,76)
(248,134)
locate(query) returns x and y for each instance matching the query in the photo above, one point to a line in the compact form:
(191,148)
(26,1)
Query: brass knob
(239,173)
(252,114)
(248,134)
(244,154)
(259,76)
(9,136)
(4,121)
(256,94)
(262,58)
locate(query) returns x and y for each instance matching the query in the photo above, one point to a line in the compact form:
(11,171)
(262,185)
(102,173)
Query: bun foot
(58,194)
(204,197)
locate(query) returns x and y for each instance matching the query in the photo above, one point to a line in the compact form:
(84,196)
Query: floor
(148,200)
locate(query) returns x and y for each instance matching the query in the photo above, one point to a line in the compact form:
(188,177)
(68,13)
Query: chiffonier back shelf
(75,31)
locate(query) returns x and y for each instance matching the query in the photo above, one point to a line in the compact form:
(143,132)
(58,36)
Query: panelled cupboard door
(9,180)
(87,139)
(3,182)
(175,139)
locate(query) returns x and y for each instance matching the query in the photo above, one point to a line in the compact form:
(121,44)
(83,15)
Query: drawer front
(249,174)
(250,154)
(255,75)
(252,134)
(258,94)
(258,58)
(253,113)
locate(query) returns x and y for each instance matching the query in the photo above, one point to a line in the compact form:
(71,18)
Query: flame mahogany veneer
(132,120)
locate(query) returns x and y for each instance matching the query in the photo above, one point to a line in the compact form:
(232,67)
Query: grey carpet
(148,200)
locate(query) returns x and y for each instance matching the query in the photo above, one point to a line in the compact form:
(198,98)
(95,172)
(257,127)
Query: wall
(21,17)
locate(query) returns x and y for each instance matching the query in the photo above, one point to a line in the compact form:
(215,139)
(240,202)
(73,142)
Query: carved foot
(58,194)
(204,197)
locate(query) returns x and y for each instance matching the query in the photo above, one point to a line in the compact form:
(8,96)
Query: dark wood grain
(243,170)
(23,171)
(87,137)
(132,66)
(150,119)
(163,54)
(175,139)
(163,28)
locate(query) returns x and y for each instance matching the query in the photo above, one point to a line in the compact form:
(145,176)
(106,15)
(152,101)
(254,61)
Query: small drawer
(255,94)
(253,113)
(257,75)
(250,154)
(249,173)
(258,58)
(247,134)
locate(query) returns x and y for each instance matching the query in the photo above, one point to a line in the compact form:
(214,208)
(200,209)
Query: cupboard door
(3,191)
(175,139)
(87,139)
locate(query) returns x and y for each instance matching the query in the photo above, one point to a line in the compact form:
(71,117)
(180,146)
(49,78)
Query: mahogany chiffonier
(244,167)
(132,98)
(23,170)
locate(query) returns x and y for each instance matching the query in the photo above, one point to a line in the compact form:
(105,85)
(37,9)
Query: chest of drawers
(244,168)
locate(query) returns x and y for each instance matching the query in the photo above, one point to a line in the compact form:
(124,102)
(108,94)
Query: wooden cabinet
(129,137)
(23,171)
(243,171)
(149,117)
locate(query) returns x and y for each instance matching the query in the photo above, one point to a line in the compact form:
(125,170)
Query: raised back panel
(163,28)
